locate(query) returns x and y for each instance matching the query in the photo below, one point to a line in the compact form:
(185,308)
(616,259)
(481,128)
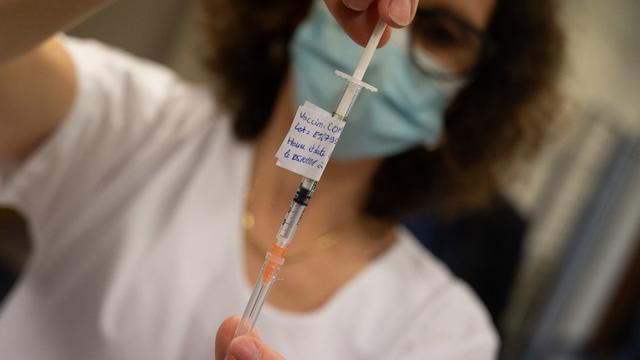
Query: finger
(250,348)
(357,24)
(225,334)
(397,13)
(357,5)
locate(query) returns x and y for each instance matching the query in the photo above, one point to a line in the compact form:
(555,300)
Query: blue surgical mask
(407,110)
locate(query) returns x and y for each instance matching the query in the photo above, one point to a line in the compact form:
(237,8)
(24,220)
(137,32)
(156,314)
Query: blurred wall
(601,80)
(602,70)
(602,73)
(148,28)
(604,55)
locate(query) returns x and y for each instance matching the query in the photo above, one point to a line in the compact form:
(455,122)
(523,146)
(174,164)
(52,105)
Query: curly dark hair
(501,115)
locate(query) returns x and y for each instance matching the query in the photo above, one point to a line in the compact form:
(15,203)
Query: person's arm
(37,83)
(26,23)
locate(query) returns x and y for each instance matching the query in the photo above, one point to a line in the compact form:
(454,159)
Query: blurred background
(558,261)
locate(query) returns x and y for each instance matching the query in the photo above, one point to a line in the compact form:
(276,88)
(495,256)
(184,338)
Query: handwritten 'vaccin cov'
(308,145)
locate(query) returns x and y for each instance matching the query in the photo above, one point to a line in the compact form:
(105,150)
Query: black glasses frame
(487,47)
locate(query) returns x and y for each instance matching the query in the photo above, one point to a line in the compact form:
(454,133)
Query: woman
(136,184)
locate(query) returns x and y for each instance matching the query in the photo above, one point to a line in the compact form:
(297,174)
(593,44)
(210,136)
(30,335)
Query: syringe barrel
(290,224)
(296,209)
(348,99)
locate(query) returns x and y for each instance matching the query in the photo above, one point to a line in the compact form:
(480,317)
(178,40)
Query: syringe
(275,257)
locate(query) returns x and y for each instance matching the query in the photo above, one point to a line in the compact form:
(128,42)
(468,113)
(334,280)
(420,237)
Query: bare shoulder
(36,92)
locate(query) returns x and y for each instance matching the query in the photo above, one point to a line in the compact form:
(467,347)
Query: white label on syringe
(310,141)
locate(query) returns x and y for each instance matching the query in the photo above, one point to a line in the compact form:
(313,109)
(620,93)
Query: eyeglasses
(457,47)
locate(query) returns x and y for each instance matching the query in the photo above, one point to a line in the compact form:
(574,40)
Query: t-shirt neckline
(245,288)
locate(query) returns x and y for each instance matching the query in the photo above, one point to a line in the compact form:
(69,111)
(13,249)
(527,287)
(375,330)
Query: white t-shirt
(134,206)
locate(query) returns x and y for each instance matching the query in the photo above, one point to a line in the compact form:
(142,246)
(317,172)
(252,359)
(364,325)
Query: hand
(358,17)
(243,347)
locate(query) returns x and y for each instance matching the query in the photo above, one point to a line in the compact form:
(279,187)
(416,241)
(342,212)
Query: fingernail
(400,11)
(357,5)
(244,348)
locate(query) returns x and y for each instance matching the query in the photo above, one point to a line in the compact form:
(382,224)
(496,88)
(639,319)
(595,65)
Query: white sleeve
(127,115)
(452,327)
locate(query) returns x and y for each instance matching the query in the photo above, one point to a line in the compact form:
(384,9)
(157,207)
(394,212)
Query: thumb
(251,348)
